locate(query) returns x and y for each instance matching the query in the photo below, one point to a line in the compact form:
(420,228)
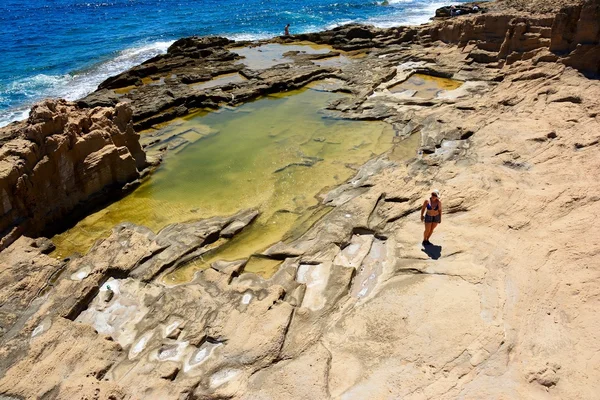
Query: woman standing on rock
(431,214)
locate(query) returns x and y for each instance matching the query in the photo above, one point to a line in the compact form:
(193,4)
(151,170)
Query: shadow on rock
(433,251)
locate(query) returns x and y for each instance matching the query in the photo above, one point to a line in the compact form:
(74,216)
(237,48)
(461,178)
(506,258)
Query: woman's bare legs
(429,232)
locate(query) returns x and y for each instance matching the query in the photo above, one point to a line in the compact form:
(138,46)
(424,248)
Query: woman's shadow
(433,251)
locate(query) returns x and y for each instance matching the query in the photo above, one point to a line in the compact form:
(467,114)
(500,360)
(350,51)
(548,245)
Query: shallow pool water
(425,86)
(220,81)
(269,55)
(275,154)
(337,61)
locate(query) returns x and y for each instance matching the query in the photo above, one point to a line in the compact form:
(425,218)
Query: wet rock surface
(502,305)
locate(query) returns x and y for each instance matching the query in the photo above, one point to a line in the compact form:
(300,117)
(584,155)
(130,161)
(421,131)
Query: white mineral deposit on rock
(140,345)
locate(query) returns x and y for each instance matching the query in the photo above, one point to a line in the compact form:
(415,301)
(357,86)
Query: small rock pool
(425,86)
(271,54)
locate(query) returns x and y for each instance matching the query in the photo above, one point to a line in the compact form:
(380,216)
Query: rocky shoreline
(503,306)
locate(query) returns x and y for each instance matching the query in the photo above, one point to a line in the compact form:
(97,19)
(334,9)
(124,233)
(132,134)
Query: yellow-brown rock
(60,158)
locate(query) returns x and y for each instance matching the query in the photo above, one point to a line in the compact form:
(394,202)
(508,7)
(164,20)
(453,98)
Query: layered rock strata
(571,37)
(503,305)
(60,158)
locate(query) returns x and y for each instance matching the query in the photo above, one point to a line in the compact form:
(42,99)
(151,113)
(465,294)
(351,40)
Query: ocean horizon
(65,48)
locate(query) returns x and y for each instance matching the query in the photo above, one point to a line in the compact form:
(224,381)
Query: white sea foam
(77,84)
(14,114)
(240,37)
(422,12)
(413,12)
(341,22)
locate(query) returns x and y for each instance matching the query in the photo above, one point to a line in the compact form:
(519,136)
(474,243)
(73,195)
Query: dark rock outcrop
(455,11)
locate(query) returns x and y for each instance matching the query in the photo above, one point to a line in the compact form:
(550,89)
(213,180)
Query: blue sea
(65,48)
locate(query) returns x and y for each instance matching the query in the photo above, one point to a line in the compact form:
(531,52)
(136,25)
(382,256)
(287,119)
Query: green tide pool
(275,154)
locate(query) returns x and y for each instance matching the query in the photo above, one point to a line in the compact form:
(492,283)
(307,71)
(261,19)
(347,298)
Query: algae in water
(277,157)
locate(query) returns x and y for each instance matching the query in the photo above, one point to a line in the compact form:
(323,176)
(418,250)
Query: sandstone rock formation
(50,306)
(570,36)
(504,305)
(60,158)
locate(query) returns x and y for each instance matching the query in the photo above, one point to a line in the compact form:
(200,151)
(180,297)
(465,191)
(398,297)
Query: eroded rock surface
(503,305)
(121,303)
(62,157)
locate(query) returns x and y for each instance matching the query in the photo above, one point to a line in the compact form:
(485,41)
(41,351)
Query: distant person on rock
(452,11)
(287,30)
(431,214)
